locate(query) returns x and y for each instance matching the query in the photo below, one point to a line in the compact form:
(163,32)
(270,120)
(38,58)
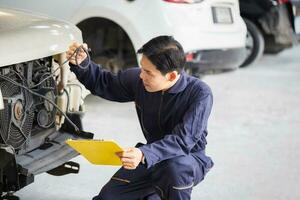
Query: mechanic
(173,110)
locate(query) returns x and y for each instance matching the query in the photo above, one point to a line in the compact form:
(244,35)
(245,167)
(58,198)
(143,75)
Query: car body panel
(222,60)
(21,39)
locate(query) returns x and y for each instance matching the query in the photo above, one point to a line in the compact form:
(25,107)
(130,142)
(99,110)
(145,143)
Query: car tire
(111,47)
(12,197)
(255,44)
(271,47)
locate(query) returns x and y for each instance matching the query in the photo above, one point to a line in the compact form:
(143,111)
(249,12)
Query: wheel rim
(249,44)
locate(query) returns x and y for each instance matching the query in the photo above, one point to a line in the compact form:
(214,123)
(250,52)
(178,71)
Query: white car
(38,97)
(211,32)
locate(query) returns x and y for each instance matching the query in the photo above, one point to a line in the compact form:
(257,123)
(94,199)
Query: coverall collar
(179,85)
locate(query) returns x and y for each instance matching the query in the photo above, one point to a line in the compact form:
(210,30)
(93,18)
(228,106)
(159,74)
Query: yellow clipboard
(98,152)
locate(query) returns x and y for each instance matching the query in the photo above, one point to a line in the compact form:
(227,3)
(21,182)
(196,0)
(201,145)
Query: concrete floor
(253,138)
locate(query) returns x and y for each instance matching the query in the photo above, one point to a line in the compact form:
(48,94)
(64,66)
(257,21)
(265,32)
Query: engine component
(43,118)
(17,117)
(24,114)
(1,101)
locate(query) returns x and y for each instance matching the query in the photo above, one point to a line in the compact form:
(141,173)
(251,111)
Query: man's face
(152,78)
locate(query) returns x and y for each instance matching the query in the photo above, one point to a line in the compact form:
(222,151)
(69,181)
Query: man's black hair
(165,53)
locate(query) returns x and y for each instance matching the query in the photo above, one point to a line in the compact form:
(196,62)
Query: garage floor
(253,138)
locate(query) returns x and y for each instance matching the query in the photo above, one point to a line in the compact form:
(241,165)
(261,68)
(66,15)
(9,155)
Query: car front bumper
(216,61)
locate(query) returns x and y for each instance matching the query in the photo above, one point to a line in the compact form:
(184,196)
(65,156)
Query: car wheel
(110,45)
(255,44)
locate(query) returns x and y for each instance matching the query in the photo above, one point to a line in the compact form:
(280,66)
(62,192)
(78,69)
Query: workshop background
(249,59)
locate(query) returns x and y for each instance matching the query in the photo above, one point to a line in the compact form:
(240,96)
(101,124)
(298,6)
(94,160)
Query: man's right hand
(80,56)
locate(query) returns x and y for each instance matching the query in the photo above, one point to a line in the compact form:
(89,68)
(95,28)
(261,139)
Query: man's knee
(177,166)
(179,172)
(108,192)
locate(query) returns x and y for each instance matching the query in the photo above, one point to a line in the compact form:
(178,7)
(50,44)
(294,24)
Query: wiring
(43,80)
(76,60)
(51,75)
(39,95)
(73,84)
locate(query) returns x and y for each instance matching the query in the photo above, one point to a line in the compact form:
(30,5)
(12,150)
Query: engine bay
(25,114)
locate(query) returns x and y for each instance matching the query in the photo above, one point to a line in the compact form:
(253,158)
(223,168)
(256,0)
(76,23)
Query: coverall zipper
(142,122)
(159,111)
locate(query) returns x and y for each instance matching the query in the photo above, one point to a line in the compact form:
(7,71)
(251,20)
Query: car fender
(20,36)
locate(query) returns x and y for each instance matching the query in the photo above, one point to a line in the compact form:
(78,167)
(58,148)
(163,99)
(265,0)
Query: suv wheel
(255,43)
(110,45)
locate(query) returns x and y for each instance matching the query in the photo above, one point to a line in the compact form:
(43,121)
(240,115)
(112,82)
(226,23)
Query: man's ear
(172,75)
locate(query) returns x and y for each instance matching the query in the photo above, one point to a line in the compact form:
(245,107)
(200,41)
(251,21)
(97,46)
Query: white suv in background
(211,32)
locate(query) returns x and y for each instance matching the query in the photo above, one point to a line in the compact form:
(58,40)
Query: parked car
(212,32)
(270,27)
(36,89)
(296,5)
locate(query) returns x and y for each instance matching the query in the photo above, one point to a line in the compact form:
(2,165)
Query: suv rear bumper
(216,61)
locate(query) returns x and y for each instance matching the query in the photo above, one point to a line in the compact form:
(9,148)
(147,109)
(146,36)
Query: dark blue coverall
(174,123)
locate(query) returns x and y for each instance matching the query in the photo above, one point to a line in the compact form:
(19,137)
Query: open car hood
(25,36)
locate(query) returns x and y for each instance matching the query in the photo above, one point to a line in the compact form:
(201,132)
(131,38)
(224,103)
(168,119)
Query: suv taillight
(190,57)
(283,1)
(183,1)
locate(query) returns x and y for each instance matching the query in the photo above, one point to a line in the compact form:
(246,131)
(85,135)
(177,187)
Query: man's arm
(119,87)
(116,87)
(184,136)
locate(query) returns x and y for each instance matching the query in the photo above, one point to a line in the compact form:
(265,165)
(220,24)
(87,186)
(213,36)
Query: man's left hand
(130,157)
